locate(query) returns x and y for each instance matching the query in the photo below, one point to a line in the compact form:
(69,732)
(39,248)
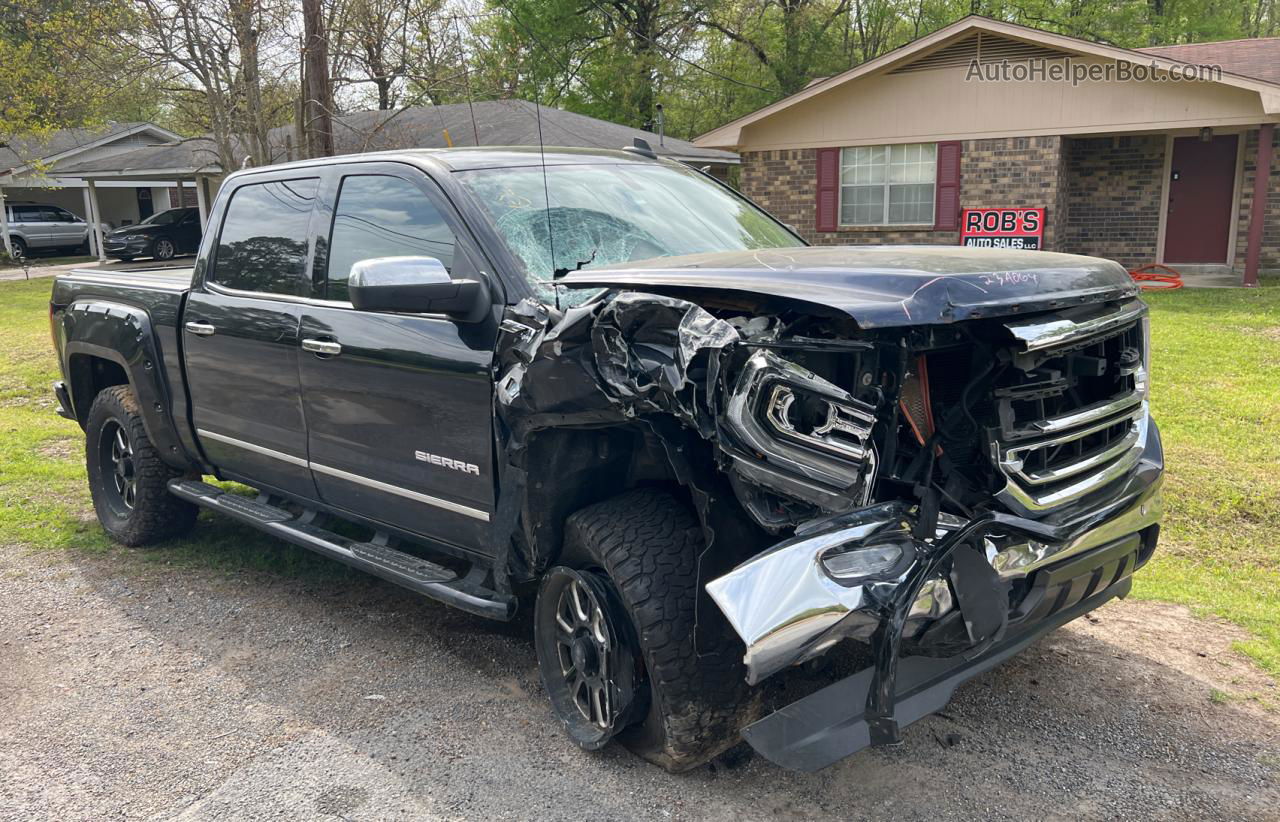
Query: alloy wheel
(588,664)
(118,466)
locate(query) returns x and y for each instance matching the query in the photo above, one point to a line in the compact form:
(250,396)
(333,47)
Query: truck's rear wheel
(636,559)
(127,479)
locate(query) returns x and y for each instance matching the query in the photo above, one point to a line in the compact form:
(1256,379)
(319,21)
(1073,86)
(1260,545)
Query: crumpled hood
(881,286)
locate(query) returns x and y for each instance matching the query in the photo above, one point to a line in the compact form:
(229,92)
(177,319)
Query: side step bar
(377,558)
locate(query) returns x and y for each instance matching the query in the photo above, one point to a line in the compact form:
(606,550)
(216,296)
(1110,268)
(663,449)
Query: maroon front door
(1201,182)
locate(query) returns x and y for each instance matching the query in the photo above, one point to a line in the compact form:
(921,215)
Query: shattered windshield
(607,214)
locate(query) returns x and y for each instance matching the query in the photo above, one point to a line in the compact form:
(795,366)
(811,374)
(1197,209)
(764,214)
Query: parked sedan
(161,236)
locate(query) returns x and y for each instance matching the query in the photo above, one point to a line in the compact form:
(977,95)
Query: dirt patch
(132,690)
(67,448)
(1200,648)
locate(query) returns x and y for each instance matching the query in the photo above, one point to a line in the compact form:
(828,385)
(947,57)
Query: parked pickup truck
(746,487)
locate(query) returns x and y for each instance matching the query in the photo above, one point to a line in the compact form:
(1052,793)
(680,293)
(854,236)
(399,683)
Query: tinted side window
(382,216)
(64,216)
(30,214)
(263,244)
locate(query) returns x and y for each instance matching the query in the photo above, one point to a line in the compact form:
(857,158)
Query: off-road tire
(156,514)
(648,544)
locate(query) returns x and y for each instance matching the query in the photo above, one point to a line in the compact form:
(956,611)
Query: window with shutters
(888,185)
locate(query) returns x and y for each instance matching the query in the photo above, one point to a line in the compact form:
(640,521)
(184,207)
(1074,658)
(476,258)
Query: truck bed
(164,278)
(157,290)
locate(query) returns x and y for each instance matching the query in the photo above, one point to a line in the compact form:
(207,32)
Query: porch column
(1258,211)
(182,201)
(88,218)
(202,202)
(4,226)
(94,213)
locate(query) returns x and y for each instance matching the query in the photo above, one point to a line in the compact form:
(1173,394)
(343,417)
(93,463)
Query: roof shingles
(1258,58)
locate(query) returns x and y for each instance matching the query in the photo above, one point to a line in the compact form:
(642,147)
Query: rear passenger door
(399,415)
(65,228)
(240,336)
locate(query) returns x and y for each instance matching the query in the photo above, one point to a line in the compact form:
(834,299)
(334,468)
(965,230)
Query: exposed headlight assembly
(819,421)
(795,433)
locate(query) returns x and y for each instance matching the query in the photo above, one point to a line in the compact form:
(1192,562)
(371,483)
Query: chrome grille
(1077,418)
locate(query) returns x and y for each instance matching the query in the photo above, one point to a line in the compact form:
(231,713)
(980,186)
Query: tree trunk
(318,94)
(254,123)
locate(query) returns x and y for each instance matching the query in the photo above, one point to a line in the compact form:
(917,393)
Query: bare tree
(407,50)
(211,53)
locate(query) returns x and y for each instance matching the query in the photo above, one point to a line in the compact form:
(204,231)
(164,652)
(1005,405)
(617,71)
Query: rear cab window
(263,242)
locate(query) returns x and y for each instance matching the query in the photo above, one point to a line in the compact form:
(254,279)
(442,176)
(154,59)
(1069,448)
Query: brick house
(1138,155)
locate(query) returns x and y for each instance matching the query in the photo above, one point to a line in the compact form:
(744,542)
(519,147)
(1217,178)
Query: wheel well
(573,468)
(89,375)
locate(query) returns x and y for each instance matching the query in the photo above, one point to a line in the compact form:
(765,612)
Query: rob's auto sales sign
(1002,228)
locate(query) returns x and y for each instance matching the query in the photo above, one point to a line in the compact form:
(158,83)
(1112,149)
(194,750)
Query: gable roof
(21,153)
(181,158)
(729,135)
(497,123)
(1257,57)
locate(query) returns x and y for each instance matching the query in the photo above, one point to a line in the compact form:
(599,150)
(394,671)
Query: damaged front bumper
(935,612)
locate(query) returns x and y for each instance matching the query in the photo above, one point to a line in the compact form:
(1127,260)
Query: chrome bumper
(787,608)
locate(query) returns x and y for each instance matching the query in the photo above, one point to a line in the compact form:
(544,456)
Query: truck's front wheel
(615,633)
(127,479)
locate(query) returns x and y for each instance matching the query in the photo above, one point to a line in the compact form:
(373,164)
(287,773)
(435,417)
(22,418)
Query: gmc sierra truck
(745,488)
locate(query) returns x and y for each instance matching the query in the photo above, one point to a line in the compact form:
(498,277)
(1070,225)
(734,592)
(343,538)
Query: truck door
(240,337)
(398,406)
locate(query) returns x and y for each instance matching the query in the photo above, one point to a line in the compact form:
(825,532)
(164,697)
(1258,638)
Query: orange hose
(1166,279)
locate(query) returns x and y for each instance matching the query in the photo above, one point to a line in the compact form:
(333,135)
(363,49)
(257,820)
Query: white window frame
(848,165)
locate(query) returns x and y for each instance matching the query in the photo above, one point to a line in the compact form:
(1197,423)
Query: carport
(184,163)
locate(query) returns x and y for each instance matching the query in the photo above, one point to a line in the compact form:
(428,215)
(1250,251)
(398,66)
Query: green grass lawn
(1216,393)
(44,500)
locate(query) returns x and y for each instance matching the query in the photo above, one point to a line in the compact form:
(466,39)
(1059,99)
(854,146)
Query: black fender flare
(123,334)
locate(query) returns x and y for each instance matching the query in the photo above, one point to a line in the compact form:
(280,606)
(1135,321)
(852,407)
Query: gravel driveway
(133,690)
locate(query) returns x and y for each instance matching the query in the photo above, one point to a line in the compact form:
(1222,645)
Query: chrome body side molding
(444,504)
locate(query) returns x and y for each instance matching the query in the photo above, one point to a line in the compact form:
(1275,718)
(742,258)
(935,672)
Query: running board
(377,558)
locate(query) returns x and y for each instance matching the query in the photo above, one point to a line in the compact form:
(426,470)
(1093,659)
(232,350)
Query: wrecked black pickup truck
(746,488)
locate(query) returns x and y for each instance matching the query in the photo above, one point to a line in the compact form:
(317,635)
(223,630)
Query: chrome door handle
(327,347)
(200,329)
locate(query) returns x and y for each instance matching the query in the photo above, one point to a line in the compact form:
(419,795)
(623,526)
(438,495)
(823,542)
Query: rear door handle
(329,348)
(200,329)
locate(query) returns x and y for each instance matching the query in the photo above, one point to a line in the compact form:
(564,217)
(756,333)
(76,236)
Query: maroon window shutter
(947,213)
(828,189)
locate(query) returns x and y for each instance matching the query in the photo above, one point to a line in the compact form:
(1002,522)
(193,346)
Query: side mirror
(415,285)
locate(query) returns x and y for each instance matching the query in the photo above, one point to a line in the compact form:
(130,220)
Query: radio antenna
(546,198)
(542,156)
